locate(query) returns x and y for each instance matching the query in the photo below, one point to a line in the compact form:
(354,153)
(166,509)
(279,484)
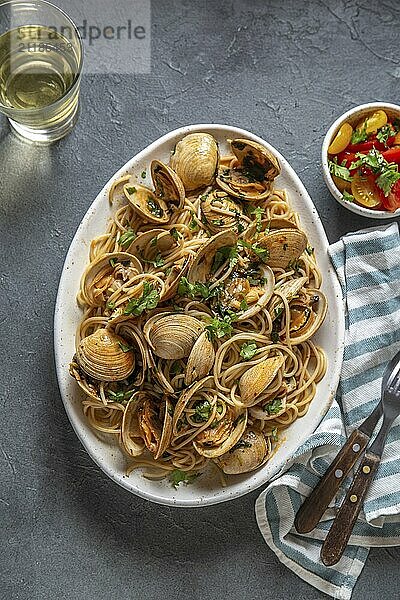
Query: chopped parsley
(359,135)
(197,288)
(248,350)
(385,133)
(147,301)
(158,261)
(202,411)
(178,476)
(261,253)
(131,190)
(243,305)
(127,238)
(347,196)
(222,255)
(219,328)
(175,233)
(310,250)
(273,407)
(125,347)
(112,262)
(258,212)
(340,171)
(110,305)
(240,444)
(388,173)
(154,207)
(120,396)
(274,434)
(143,174)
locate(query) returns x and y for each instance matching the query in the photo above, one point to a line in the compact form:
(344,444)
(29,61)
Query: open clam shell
(201,359)
(100,275)
(268,289)
(289,290)
(155,424)
(105,356)
(195,160)
(145,203)
(130,436)
(167,184)
(201,267)
(222,212)
(256,168)
(150,243)
(185,397)
(307,316)
(248,454)
(172,336)
(284,246)
(256,379)
(266,226)
(129,332)
(237,421)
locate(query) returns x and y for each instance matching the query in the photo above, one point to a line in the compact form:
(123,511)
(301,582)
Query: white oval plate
(207,488)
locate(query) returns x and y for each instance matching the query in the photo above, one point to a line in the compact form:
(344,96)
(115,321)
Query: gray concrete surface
(284,70)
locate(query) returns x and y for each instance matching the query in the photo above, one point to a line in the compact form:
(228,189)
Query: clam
(307,315)
(103,355)
(267,225)
(195,160)
(155,424)
(186,397)
(201,267)
(289,290)
(201,359)
(250,452)
(145,203)
(217,440)
(167,184)
(130,436)
(129,332)
(284,246)
(108,272)
(150,243)
(257,379)
(251,175)
(222,212)
(274,406)
(172,336)
(256,296)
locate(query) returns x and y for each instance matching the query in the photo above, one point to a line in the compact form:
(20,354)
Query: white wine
(39,77)
(37,67)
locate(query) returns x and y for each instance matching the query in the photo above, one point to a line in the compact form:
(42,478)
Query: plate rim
(336,369)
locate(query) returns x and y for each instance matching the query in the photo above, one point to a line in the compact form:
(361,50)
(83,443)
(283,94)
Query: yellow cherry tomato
(341,184)
(341,139)
(373,122)
(364,191)
(397,139)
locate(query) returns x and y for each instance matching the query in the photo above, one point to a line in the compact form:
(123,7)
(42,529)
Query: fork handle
(338,535)
(312,509)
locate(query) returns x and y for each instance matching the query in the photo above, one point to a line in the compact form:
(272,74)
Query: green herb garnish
(222,255)
(127,238)
(110,305)
(125,347)
(359,135)
(178,476)
(248,350)
(243,305)
(258,212)
(143,174)
(154,207)
(131,190)
(219,328)
(147,301)
(340,171)
(203,410)
(347,196)
(262,253)
(385,133)
(175,233)
(273,407)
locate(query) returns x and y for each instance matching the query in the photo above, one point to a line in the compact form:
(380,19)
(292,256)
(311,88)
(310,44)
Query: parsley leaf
(125,347)
(131,190)
(202,412)
(388,178)
(178,476)
(248,350)
(143,174)
(273,407)
(340,171)
(262,253)
(258,212)
(347,196)
(222,255)
(148,300)
(191,290)
(158,261)
(359,135)
(388,173)
(243,305)
(219,328)
(127,238)
(384,133)
(175,233)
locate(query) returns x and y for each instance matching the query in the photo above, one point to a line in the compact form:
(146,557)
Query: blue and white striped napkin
(368,266)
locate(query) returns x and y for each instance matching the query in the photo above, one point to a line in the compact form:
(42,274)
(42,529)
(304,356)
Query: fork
(340,531)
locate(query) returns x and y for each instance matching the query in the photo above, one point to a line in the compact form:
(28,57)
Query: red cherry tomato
(392,201)
(392,155)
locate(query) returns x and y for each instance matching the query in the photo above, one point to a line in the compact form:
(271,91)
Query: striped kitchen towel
(368,266)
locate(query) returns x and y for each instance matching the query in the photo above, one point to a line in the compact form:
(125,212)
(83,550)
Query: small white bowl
(353,116)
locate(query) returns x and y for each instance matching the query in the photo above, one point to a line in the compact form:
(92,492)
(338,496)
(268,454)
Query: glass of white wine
(41,56)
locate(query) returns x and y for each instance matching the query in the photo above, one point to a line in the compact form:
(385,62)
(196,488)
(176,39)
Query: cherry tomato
(373,122)
(396,139)
(392,155)
(348,157)
(392,201)
(365,191)
(341,139)
(341,184)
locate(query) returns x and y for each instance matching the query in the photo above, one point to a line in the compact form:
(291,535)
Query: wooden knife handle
(338,535)
(312,509)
